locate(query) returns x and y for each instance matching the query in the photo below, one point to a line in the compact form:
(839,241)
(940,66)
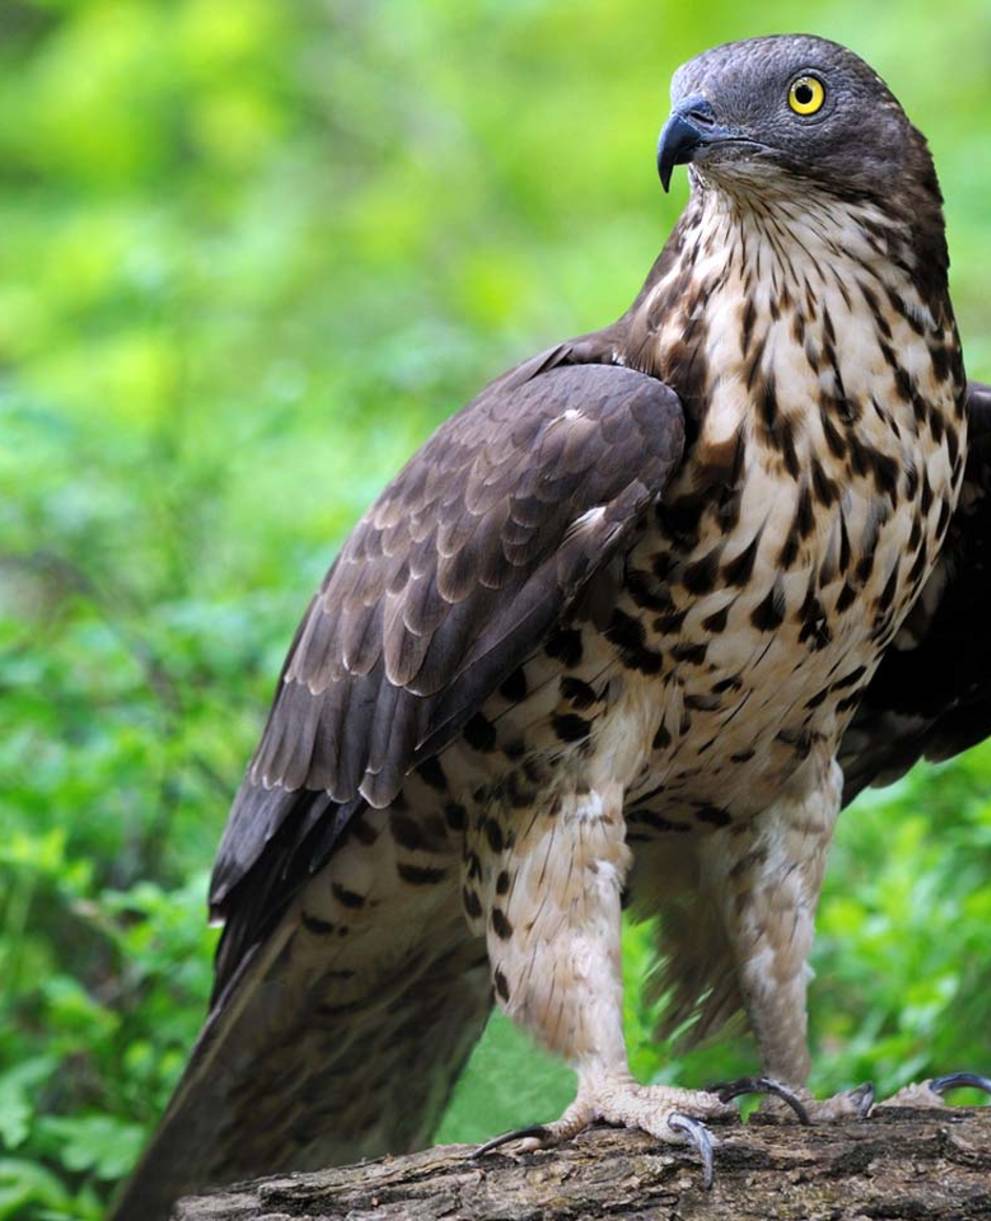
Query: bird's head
(783,113)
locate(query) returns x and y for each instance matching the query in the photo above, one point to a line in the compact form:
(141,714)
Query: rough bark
(898,1164)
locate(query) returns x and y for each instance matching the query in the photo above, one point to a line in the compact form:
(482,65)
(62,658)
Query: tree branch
(898,1164)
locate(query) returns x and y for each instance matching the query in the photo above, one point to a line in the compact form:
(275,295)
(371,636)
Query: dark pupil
(803,94)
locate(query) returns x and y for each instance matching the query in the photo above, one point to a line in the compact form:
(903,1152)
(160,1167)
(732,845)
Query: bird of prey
(633,625)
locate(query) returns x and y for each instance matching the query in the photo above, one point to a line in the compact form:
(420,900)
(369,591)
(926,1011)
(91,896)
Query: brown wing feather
(456,573)
(931,695)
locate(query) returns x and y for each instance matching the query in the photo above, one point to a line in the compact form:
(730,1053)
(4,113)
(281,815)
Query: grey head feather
(860,142)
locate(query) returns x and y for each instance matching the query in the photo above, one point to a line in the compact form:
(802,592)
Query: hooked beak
(692,125)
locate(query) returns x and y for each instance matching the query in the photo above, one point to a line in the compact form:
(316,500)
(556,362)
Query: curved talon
(729,1090)
(698,1135)
(537,1130)
(939,1085)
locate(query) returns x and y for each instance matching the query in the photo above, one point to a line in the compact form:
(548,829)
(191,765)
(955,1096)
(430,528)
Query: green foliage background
(250,254)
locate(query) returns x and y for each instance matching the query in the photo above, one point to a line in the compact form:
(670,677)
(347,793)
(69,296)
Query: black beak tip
(677,144)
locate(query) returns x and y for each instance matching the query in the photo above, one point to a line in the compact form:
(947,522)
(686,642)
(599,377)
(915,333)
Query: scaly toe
(855,1103)
(664,1112)
(545,1135)
(930,1093)
(628,1105)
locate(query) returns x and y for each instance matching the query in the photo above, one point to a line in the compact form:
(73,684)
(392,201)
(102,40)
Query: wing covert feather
(454,575)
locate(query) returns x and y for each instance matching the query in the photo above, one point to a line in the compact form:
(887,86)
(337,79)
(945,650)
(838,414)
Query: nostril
(702,117)
(699,112)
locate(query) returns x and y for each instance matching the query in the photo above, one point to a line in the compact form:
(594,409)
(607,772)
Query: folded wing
(931,696)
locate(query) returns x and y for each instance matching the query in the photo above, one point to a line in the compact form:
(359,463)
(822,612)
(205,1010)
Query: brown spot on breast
(714,816)
(493,833)
(815,626)
(693,654)
(865,566)
(754,362)
(926,501)
(578,693)
(851,701)
(831,434)
(569,727)
(847,597)
(770,613)
(804,522)
(786,443)
(716,622)
(681,518)
(514,688)
(719,462)
(739,570)
(767,403)
(519,794)
(405,831)
(565,646)
(480,734)
(825,489)
(363,832)
(455,815)
(432,774)
(747,319)
(347,898)
(645,592)
(649,819)
(789,551)
(629,636)
(848,680)
(700,576)
(418,875)
(668,624)
(662,739)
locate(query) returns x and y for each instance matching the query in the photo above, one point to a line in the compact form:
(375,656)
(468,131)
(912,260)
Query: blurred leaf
(17,1108)
(101,1143)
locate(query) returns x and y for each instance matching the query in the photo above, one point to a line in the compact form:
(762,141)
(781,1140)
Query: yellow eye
(806,95)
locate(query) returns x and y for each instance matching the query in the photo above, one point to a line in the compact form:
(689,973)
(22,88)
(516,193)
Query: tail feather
(306,1061)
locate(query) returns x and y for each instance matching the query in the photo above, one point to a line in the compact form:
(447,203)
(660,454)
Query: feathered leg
(550,901)
(765,878)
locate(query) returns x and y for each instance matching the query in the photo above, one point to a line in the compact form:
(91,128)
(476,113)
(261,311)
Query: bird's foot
(930,1093)
(665,1112)
(856,1103)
